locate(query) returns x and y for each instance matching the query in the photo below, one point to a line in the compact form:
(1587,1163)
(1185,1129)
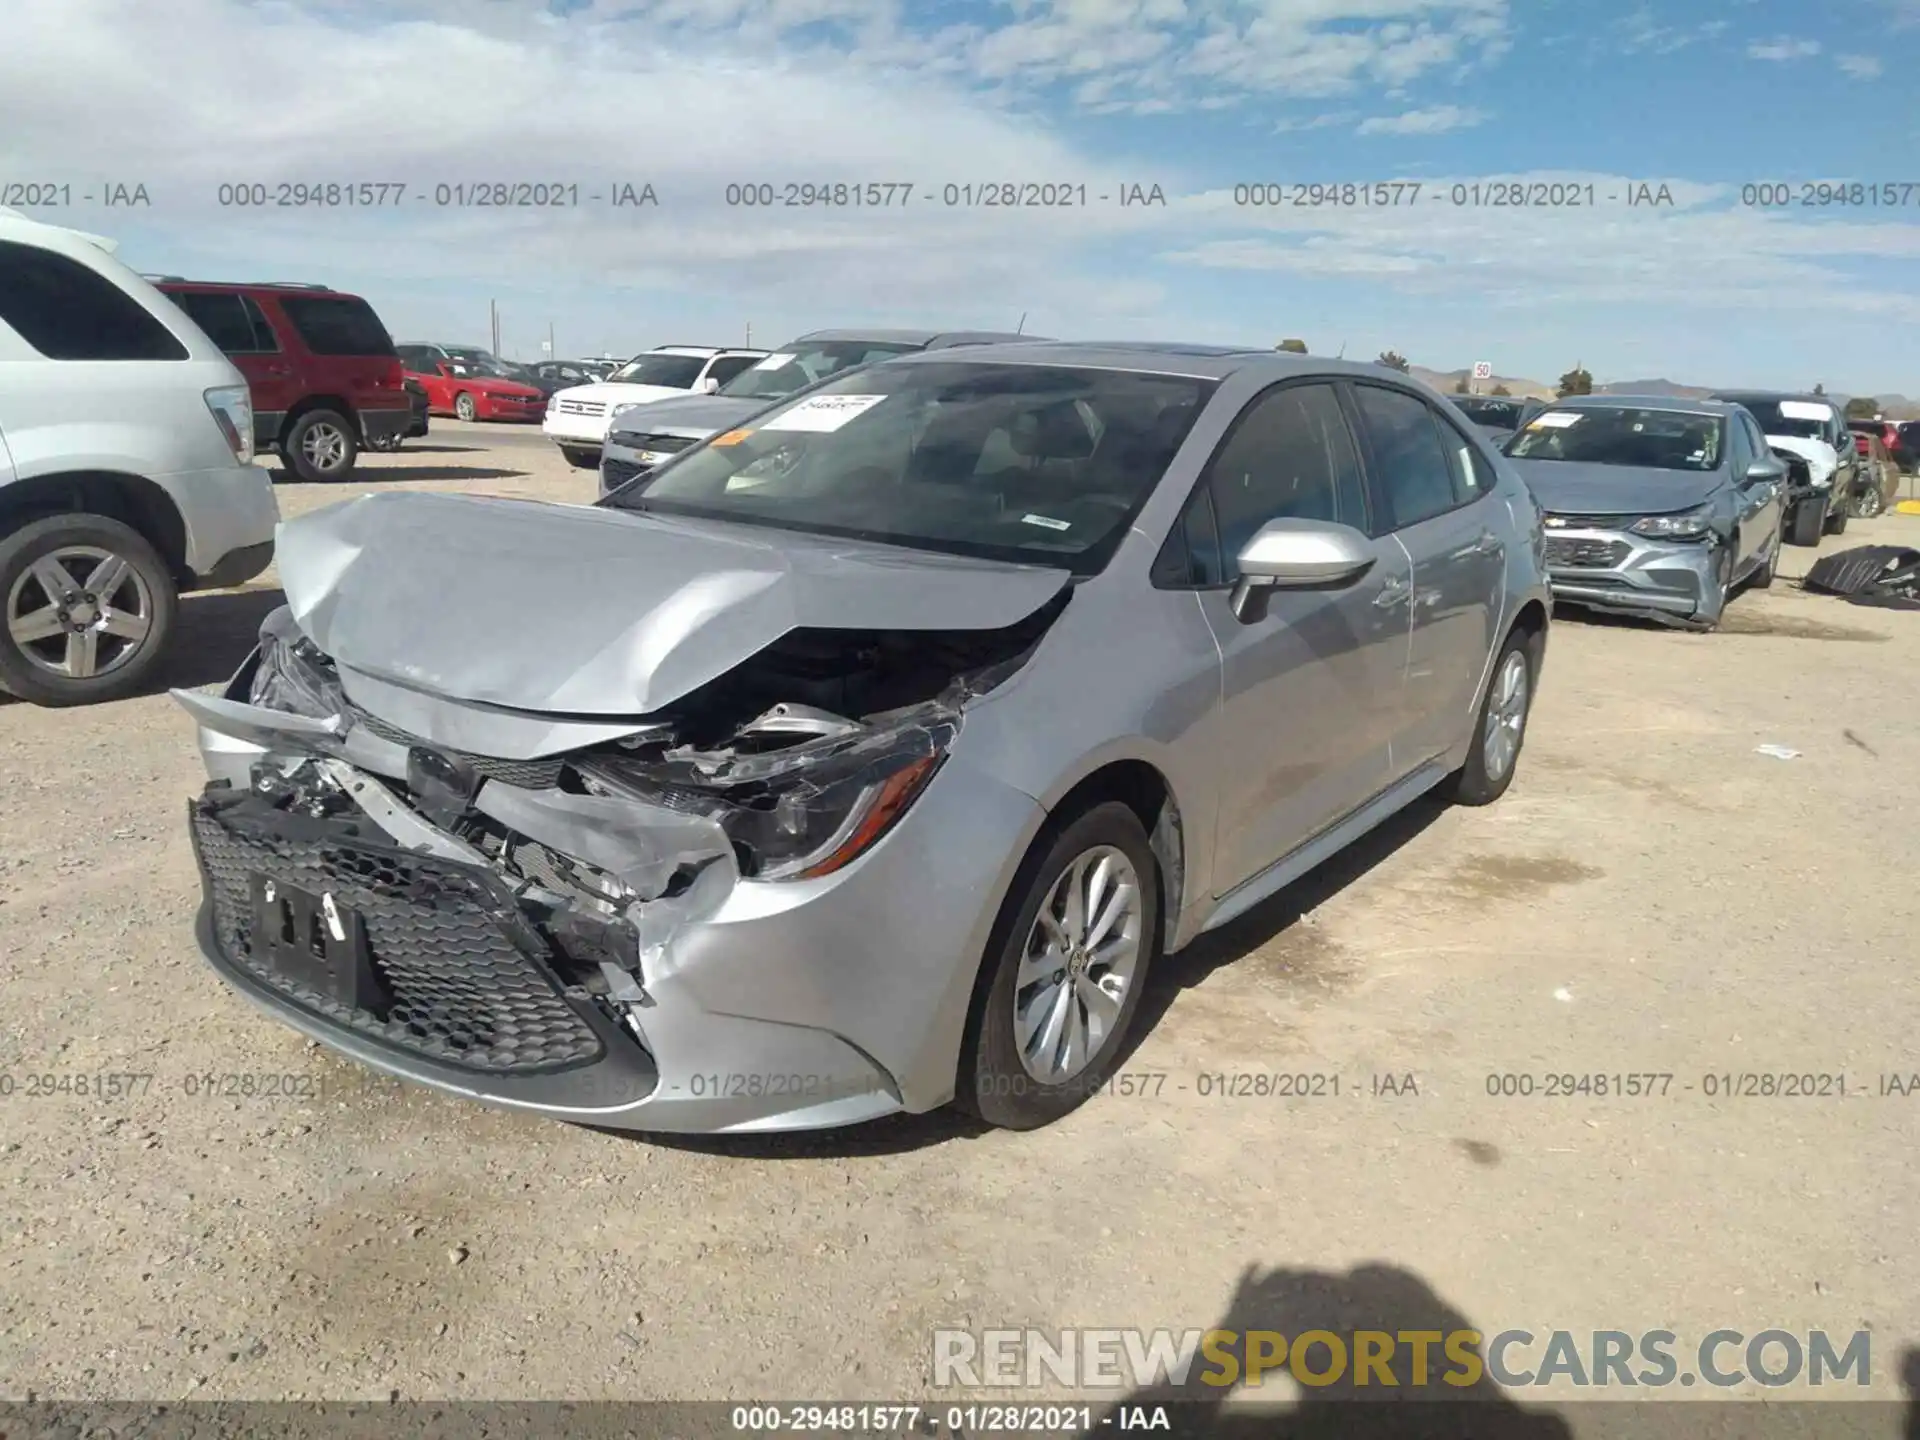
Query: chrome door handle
(1488,541)
(1392,592)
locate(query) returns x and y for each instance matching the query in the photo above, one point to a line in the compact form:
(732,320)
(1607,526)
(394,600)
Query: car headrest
(1053,432)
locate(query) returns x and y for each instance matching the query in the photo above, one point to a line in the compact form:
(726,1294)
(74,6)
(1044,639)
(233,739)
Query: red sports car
(473,389)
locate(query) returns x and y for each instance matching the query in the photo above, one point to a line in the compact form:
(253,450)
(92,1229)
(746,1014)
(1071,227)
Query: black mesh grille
(1585,554)
(529,774)
(462,992)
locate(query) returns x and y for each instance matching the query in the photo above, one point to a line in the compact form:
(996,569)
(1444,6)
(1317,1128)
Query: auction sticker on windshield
(732,437)
(823,412)
(1805,410)
(774,362)
(1555,420)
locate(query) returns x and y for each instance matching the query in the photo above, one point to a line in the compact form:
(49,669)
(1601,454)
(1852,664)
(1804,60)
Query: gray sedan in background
(907,727)
(1654,506)
(639,441)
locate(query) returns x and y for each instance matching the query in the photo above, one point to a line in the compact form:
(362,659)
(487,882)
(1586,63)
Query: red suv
(323,373)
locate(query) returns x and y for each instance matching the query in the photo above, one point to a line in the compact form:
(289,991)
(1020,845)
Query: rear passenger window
(68,311)
(1413,470)
(337,325)
(222,316)
(1472,475)
(725,368)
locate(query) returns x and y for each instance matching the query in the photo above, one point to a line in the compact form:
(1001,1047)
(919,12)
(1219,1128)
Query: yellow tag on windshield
(732,437)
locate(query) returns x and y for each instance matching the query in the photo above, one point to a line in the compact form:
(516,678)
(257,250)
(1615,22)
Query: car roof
(925,339)
(1740,397)
(1202,362)
(254,287)
(1685,405)
(704,352)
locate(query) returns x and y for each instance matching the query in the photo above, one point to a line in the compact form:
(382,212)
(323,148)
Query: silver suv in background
(640,439)
(904,732)
(126,474)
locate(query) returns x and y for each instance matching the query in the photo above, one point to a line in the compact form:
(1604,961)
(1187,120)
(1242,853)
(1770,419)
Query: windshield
(1646,439)
(1029,463)
(674,372)
(1489,410)
(1775,420)
(798,366)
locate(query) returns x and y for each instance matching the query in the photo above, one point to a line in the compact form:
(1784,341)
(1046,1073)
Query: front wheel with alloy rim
(320,447)
(1869,501)
(464,407)
(1502,728)
(1064,971)
(89,609)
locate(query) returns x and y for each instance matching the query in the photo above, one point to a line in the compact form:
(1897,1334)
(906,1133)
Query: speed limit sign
(1483,369)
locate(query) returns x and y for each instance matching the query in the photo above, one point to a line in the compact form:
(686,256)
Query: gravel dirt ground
(1653,896)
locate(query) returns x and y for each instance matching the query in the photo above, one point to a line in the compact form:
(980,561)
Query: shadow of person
(1457,1401)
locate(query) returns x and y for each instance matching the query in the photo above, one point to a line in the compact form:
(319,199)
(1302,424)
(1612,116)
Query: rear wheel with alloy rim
(320,447)
(1070,956)
(1502,729)
(89,608)
(1869,501)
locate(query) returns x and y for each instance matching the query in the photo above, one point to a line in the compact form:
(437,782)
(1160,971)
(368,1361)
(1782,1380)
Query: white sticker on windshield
(823,412)
(1805,410)
(1046,520)
(774,362)
(1555,420)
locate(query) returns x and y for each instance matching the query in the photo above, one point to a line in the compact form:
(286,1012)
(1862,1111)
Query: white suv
(126,442)
(577,419)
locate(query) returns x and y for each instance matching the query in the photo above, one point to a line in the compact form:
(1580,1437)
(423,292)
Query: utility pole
(552,354)
(493,311)
(749,344)
(1021,328)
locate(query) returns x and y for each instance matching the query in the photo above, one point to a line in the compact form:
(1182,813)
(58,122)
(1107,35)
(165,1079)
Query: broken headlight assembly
(292,674)
(793,814)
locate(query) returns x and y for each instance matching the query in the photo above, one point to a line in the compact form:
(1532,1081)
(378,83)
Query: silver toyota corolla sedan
(864,757)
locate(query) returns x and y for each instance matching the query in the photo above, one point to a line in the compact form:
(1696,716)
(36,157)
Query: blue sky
(1195,96)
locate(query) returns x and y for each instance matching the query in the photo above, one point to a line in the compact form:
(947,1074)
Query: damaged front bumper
(1624,573)
(689,999)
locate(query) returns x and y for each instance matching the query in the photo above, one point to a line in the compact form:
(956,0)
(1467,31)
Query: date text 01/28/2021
(970,195)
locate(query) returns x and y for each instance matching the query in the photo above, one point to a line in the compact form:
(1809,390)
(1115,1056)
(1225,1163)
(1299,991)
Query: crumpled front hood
(1573,487)
(1818,454)
(585,611)
(692,414)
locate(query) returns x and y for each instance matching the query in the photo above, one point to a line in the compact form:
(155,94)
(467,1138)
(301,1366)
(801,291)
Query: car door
(237,325)
(1310,686)
(1770,499)
(1433,490)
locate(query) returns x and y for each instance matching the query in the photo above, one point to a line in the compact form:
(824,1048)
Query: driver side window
(1288,456)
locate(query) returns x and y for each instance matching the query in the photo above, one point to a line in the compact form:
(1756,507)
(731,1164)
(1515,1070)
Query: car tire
(1489,768)
(65,552)
(464,407)
(1870,501)
(994,1082)
(320,448)
(580,459)
(1809,518)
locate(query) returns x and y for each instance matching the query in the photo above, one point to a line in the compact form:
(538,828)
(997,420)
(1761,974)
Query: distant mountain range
(1894,406)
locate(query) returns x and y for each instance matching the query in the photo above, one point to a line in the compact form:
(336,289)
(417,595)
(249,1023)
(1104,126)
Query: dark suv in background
(321,368)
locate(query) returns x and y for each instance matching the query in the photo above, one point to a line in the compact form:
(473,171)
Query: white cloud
(1784,48)
(1434,121)
(1705,251)
(1861,67)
